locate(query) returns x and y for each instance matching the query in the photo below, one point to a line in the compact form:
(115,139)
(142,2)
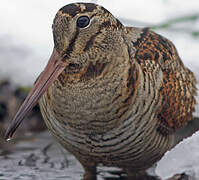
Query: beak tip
(9,133)
(8,139)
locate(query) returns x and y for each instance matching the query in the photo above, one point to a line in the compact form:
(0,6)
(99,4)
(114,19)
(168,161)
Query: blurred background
(26,43)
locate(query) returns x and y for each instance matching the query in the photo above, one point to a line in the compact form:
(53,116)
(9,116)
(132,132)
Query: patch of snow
(182,158)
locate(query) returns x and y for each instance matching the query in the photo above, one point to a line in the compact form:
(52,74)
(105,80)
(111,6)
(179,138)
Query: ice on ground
(183,158)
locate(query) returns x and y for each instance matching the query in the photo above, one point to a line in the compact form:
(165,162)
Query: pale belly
(127,143)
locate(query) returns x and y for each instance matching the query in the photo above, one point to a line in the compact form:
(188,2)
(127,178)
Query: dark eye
(83,21)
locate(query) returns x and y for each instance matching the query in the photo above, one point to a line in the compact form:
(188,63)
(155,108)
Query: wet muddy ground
(40,157)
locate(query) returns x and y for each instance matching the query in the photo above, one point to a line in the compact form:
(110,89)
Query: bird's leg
(90,172)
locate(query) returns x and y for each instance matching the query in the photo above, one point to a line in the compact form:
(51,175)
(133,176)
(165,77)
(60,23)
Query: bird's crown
(76,26)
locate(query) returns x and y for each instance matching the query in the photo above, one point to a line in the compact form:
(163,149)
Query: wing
(178,89)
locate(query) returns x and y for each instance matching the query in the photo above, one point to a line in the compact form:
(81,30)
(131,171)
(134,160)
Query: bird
(112,95)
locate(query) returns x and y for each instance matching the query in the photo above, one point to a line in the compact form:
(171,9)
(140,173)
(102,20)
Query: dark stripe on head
(68,51)
(75,8)
(90,7)
(89,43)
(70,9)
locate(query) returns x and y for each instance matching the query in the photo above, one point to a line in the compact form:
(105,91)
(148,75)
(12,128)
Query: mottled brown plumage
(111,95)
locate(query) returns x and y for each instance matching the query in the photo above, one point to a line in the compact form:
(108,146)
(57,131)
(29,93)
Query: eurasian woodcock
(110,94)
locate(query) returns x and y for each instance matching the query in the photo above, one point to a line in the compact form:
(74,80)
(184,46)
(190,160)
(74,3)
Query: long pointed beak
(54,67)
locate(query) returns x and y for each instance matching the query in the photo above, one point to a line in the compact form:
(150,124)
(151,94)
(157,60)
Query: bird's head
(81,31)
(77,27)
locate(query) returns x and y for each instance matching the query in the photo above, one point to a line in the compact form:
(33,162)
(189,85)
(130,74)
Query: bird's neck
(83,96)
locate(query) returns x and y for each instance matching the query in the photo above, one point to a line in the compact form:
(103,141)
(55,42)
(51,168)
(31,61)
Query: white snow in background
(183,158)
